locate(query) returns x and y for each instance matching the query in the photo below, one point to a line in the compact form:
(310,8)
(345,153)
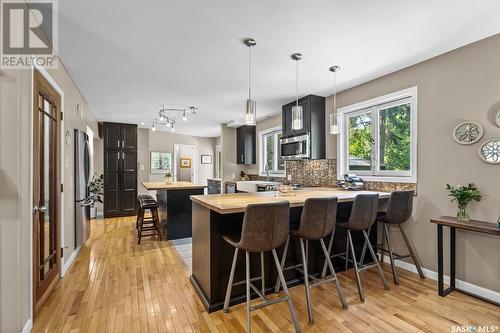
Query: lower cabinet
(214,186)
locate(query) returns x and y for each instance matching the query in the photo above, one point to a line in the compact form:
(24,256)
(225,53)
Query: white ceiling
(129,57)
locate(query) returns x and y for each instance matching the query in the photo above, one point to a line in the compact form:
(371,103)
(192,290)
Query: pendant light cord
(249,72)
(297,83)
(335,92)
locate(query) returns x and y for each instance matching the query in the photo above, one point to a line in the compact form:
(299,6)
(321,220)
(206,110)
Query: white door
(185,163)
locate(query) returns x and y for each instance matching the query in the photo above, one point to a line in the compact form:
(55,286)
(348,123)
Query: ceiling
(130,57)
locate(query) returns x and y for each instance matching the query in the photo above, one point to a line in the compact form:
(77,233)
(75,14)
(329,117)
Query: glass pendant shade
(334,125)
(297,117)
(250,112)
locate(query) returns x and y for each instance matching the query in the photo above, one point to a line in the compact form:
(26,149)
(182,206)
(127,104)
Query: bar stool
(140,198)
(317,221)
(363,215)
(265,228)
(399,210)
(145,224)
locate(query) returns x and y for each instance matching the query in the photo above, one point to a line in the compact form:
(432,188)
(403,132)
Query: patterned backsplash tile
(324,173)
(313,172)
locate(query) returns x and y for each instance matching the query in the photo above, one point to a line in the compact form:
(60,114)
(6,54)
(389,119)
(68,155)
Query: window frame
(374,105)
(275,132)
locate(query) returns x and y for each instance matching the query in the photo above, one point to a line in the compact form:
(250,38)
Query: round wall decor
(497,118)
(468,132)
(490,151)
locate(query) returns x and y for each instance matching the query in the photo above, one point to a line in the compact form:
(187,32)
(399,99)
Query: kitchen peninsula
(174,206)
(220,214)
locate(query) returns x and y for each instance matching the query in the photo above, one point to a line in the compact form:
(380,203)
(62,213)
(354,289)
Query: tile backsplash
(313,172)
(324,173)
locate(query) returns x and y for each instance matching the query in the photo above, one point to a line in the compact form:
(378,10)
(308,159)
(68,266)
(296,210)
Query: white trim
(410,93)
(261,152)
(69,262)
(472,288)
(28,326)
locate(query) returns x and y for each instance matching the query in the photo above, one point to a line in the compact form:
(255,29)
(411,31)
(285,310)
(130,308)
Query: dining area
(258,245)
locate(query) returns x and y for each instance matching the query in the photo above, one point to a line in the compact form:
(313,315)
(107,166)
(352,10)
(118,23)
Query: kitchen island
(174,206)
(217,215)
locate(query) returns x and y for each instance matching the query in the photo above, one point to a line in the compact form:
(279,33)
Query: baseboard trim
(469,287)
(70,261)
(28,326)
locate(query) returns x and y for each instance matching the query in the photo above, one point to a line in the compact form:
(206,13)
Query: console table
(453,224)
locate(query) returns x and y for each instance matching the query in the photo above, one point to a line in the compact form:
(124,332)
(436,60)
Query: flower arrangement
(95,188)
(463,195)
(168,177)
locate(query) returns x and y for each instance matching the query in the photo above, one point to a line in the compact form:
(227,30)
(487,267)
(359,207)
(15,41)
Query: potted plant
(463,195)
(168,177)
(95,188)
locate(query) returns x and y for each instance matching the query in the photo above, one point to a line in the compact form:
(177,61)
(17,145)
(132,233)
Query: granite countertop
(237,202)
(171,186)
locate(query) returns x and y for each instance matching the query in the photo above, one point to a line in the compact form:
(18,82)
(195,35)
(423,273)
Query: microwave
(296,147)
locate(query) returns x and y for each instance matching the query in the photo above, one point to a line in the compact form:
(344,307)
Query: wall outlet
(233,175)
(142,167)
(289,177)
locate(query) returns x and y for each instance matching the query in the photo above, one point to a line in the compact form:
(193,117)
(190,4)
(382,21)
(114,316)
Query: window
(378,138)
(270,152)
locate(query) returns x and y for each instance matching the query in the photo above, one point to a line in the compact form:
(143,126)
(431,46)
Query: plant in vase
(463,195)
(168,177)
(96,186)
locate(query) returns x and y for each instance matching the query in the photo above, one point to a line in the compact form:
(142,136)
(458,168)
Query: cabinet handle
(242,158)
(118,143)
(123,143)
(118,156)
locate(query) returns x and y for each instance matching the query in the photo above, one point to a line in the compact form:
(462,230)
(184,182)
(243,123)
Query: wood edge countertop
(237,202)
(171,185)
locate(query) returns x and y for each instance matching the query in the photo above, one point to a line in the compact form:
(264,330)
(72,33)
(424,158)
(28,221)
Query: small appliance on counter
(351,182)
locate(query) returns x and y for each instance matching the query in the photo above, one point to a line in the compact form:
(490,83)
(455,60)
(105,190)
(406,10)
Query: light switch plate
(142,167)
(289,177)
(233,175)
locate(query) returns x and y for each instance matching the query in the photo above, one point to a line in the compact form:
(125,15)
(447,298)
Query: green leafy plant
(168,174)
(463,195)
(96,186)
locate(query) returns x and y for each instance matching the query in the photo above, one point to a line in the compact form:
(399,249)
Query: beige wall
(164,141)
(460,85)
(15,177)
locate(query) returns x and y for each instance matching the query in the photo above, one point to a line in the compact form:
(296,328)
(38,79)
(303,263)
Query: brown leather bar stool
(148,224)
(399,210)
(317,221)
(265,228)
(363,215)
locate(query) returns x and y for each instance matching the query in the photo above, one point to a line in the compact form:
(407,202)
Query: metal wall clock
(490,151)
(497,118)
(468,132)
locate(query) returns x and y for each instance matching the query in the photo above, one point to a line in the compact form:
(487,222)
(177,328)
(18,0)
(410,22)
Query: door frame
(193,163)
(62,268)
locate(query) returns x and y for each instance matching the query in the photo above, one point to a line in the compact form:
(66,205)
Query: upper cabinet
(120,136)
(246,145)
(314,123)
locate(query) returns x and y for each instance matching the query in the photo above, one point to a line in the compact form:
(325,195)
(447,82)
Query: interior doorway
(46,189)
(184,163)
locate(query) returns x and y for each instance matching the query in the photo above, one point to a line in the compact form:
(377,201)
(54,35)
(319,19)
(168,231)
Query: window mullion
(375,136)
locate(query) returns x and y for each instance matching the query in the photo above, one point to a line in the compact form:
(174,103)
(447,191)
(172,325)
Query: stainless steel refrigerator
(82,179)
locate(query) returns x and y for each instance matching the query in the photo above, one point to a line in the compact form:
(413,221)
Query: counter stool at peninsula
(363,215)
(140,198)
(151,225)
(399,209)
(317,221)
(265,228)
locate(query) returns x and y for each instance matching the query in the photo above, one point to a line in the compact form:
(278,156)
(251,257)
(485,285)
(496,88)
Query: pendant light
(297,111)
(334,124)
(250,107)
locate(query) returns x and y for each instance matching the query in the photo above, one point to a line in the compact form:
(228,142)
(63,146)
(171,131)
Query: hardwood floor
(116,285)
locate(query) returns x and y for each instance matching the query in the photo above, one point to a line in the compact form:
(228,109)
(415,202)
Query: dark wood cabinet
(246,145)
(314,123)
(120,169)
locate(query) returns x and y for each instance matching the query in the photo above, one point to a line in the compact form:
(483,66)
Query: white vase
(93,212)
